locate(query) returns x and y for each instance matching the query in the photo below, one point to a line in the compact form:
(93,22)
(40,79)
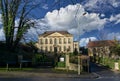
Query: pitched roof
(101,43)
(51,32)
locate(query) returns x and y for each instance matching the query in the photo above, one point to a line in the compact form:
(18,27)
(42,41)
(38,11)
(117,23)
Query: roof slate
(101,43)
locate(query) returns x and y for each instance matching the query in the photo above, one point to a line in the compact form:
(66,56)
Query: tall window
(60,41)
(41,41)
(41,48)
(64,48)
(51,41)
(64,41)
(46,48)
(75,45)
(60,48)
(69,48)
(69,41)
(55,41)
(50,48)
(46,41)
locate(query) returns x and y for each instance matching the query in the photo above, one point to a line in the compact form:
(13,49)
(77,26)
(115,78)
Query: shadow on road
(97,68)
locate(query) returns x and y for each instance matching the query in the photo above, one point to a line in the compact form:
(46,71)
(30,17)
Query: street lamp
(79,67)
(79,64)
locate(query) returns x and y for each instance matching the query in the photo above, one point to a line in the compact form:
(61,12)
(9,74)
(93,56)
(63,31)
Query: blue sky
(101,21)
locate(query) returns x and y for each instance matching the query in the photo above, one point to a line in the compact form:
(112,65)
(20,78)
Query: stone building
(57,41)
(100,48)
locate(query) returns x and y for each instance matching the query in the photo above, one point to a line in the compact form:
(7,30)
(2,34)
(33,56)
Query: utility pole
(78,25)
(79,69)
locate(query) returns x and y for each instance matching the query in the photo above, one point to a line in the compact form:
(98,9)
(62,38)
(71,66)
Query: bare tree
(11,11)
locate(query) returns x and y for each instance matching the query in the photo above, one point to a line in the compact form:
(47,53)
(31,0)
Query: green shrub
(37,58)
(61,64)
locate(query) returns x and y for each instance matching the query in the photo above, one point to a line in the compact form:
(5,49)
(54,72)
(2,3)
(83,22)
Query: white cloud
(110,36)
(45,6)
(40,26)
(113,35)
(115,18)
(71,18)
(85,41)
(115,3)
(101,5)
(102,15)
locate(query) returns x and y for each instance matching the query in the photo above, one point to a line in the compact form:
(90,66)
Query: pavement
(96,72)
(49,74)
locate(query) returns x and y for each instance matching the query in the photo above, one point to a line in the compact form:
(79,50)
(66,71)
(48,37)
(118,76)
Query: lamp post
(79,67)
(79,63)
(78,24)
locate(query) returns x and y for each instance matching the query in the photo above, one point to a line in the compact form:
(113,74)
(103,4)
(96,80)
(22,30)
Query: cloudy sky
(85,19)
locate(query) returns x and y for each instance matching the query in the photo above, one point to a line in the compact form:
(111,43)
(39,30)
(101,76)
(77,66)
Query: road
(103,73)
(60,79)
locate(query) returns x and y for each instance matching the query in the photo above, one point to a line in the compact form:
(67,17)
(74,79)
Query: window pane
(60,48)
(50,41)
(46,49)
(60,41)
(64,48)
(55,41)
(50,48)
(69,41)
(64,41)
(41,41)
(46,41)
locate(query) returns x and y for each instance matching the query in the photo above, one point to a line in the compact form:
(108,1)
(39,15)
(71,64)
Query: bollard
(20,65)
(7,67)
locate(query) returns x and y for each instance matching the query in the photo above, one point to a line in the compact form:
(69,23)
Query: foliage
(75,52)
(61,64)
(108,62)
(39,58)
(32,46)
(84,50)
(116,49)
(8,56)
(74,59)
(11,11)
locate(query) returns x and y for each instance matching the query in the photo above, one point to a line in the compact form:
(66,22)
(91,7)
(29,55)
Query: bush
(74,59)
(40,58)
(61,64)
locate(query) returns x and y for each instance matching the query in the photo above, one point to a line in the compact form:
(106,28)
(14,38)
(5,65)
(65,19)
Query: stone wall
(73,67)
